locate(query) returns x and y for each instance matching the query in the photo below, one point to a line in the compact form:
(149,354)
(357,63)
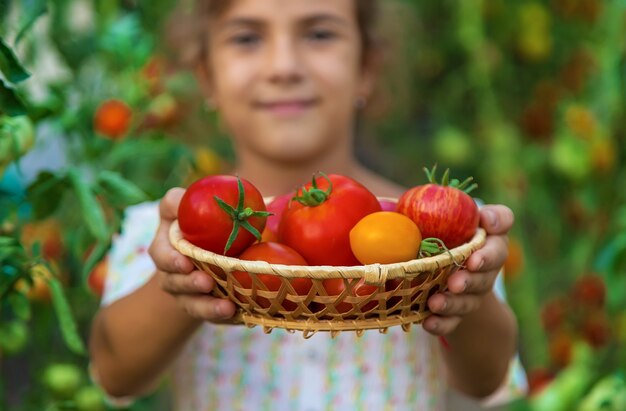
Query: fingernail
(491,217)
(444,305)
(465,285)
(480,265)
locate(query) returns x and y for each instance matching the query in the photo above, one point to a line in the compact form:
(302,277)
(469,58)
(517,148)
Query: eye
(245,39)
(321,35)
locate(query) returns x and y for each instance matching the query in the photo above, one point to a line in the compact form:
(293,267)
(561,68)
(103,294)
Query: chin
(288,152)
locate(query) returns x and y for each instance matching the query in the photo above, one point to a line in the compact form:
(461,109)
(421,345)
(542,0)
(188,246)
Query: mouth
(287,107)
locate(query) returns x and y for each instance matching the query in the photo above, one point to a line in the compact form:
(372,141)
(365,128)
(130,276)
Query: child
(287,77)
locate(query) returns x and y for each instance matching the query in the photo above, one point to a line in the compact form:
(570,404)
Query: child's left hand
(467,288)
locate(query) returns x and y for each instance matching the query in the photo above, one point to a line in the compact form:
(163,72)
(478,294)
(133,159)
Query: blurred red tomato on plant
(589,290)
(113,118)
(97,277)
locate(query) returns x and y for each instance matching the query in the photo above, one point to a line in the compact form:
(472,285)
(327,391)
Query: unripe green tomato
(452,147)
(570,157)
(17,135)
(63,380)
(89,398)
(13,337)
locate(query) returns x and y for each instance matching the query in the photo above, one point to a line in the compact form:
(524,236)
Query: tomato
(90,398)
(538,379)
(163,111)
(277,207)
(274,253)
(560,348)
(318,220)
(385,237)
(392,285)
(514,262)
(217,213)
(554,314)
(48,234)
(113,118)
(443,211)
(17,136)
(63,380)
(589,290)
(38,290)
(97,278)
(13,337)
(335,286)
(596,328)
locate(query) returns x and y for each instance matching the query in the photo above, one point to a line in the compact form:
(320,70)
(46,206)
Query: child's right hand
(177,274)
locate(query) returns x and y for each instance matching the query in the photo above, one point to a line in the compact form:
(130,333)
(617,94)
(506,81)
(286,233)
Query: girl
(287,78)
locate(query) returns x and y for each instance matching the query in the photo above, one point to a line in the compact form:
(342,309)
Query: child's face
(285,75)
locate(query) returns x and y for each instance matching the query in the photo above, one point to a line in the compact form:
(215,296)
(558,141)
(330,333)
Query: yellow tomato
(385,237)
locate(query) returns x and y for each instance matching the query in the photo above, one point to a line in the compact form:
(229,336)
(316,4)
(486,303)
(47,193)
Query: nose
(284,63)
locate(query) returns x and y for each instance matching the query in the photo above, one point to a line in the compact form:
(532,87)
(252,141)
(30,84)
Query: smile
(287,107)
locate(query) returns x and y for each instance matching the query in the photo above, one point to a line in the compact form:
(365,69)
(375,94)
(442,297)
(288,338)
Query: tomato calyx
(315,196)
(434,246)
(464,185)
(240,216)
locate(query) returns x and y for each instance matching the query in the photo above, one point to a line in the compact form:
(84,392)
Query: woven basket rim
(372,273)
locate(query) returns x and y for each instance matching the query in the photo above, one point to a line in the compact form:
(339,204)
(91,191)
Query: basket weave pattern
(403,289)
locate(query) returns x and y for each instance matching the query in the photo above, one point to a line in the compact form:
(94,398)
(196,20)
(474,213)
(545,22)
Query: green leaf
(10,65)
(20,305)
(89,206)
(10,102)
(7,241)
(94,258)
(45,193)
(69,329)
(120,190)
(36,11)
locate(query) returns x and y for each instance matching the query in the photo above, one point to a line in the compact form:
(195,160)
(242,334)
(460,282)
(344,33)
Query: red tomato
(113,118)
(317,223)
(277,207)
(442,211)
(204,223)
(336,286)
(392,285)
(589,290)
(274,253)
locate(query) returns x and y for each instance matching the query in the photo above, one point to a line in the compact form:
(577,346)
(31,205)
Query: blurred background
(526,96)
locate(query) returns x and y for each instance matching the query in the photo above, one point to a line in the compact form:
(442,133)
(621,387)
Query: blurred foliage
(528,97)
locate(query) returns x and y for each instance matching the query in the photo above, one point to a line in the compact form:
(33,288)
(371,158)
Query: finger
(491,256)
(165,257)
(496,219)
(197,282)
(464,282)
(168,207)
(437,325)
(449,304)
(207,308)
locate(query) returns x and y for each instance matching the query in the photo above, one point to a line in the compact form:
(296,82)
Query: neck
(273,177)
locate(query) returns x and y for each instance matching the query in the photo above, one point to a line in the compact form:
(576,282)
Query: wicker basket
(401,302)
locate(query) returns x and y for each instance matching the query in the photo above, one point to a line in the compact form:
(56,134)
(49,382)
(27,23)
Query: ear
(370,70)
